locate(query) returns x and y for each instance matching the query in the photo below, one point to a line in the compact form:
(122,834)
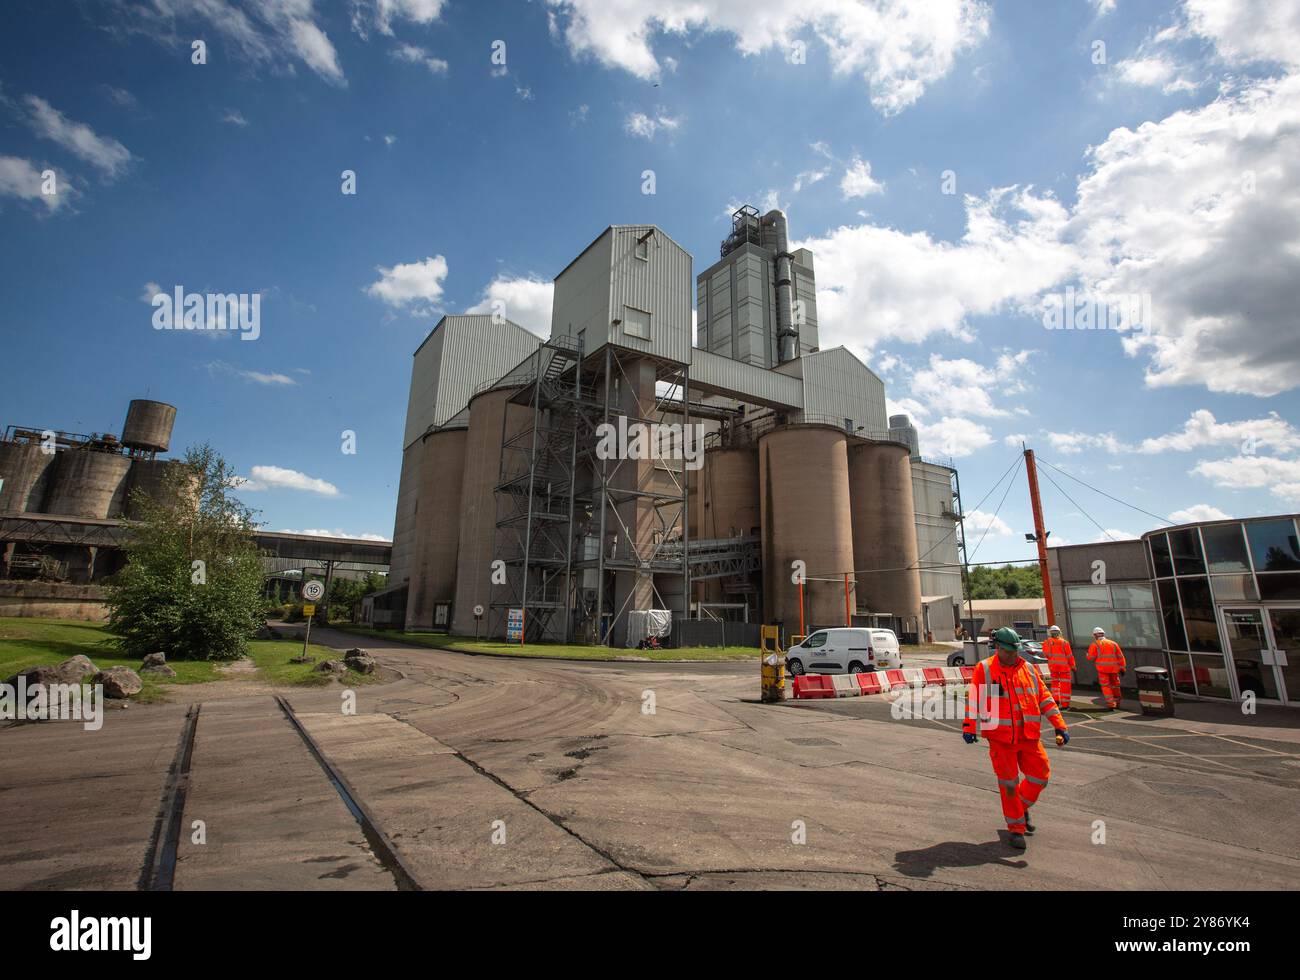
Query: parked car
(844,650)
(968,654)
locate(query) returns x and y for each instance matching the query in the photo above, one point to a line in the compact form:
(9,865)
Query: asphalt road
(483,772)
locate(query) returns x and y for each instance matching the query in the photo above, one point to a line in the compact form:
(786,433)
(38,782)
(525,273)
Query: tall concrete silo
(149,476)
(806,516)
(88,483)
(884,531)
(148,426)
(437,525)
(490,418)
(725,500)
(25,471)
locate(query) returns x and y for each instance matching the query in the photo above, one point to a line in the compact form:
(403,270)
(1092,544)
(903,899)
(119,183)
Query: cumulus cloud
(952,436)
(317,532)
(644,126)
(524,300)
(278,478)
(104,153)
(21,179)
(1202,429)
(1280,476)
(1198,512)
(979,523)
(413,55)
(380,14)
(898,47)
(857,180)
(415,286)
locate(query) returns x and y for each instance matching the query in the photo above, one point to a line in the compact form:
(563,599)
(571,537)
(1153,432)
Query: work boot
(1029,824)
(1017,842)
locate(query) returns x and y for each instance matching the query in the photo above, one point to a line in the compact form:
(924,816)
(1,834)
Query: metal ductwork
(776,239)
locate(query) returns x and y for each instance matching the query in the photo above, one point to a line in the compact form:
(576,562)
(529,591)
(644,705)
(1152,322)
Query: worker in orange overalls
(1006,704)
(1060,661)
(1111,666)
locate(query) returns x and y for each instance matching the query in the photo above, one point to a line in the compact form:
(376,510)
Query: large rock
(158,670)
(76,670)
(331,667)
(119,682)
(154,660)
(360,661)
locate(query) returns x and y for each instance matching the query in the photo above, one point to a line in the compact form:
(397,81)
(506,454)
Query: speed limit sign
(313,591)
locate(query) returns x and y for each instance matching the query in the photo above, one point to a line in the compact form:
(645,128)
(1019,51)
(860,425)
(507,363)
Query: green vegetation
(28,642)
(1005,582)
(193,580)
(562,651)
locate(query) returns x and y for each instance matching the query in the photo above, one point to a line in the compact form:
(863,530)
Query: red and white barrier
(814,686)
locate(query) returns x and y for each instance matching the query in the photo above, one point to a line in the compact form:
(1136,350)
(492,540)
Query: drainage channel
(159,869)
(379,843)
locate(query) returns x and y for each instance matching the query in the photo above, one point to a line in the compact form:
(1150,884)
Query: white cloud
(808,178)
(639,124)
(951,436)
(1201,429)
(413,285)
(899,47)
(278,478)
(103,152)
(1245,31)
(149,291)
(234,117)
(857,180)
(317,532)
(525,300)
(19,178)
(259,377)
(1114,534)
(380,14)
(1198,512)
(414,55)
(389,139)
(1078,442)
(979,522)
(1153,70)
(1280,476)
(956,385)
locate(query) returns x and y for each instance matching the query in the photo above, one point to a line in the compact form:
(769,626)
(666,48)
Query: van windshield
(816,640)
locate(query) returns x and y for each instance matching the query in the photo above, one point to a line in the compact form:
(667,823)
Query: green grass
(28,642)
(563,651)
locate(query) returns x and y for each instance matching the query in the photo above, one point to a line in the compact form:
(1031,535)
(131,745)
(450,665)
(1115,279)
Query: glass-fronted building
(1229,601)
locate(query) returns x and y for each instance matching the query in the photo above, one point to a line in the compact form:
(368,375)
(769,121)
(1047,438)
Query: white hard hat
(1053,628)
(1097,630)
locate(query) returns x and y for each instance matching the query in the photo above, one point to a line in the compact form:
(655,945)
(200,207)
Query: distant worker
(1006,704)
(1111,666)
(1060,661)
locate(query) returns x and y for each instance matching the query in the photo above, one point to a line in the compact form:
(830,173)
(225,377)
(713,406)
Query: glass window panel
(1198,616)
(1133,597)
(1175,635)
(1088,596)
(1186,546)
(1279,585)
(1211,676)
(1160,556)
(1127,627)
(1233,588)
(1225,548)
(1274,546)
(1183,680)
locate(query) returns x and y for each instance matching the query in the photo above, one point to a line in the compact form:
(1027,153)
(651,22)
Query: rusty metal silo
(437,525)
(884,530)
(806,516)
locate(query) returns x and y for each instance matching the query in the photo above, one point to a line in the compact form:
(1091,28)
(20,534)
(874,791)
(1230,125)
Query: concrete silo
(25,471)
(88,483)
(437,526)
(806,516)
(148,426)
(492,419)
(884,531)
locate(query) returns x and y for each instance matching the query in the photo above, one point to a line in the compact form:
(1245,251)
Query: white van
(844,651)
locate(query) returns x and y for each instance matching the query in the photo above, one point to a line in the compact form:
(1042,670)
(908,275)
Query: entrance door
(1284,627)
(1264,649)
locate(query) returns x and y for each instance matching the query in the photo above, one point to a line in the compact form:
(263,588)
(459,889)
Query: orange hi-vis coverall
(1060,661)
(1109,659)
(1006,706)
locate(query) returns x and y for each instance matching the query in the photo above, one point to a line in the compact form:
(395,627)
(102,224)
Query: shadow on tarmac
(955,854)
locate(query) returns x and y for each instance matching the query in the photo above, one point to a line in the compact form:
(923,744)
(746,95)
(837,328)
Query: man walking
(1111,666)
(1060,661)
(1006,704)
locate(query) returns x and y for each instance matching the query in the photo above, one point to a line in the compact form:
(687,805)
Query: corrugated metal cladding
(581,304)
(659,284)
(838,385)
(462,352)
(935,537)
(745,382)
(399,567)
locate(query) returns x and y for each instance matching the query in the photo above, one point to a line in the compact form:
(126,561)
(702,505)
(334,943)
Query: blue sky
(1167,169)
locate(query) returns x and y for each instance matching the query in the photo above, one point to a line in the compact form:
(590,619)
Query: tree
(192,584)
(1005,582)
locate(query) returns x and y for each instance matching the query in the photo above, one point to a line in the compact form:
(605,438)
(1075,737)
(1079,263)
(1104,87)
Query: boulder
(158,670)
(361,662)
(119,682)
(40,674)
(76,670)
(331,667)
(154,660)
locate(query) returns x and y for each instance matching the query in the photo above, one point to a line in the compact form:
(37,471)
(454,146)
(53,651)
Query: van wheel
(795,667)
(856,668)
(959,661)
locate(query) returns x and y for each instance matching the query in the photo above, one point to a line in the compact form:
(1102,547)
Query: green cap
(1006,638)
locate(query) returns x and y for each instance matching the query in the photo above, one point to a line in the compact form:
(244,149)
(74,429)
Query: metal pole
(848,619)
(306,639)
(532,475)
(600,543)
(803,630)
(965,566)
(686,501)
(1040,533)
